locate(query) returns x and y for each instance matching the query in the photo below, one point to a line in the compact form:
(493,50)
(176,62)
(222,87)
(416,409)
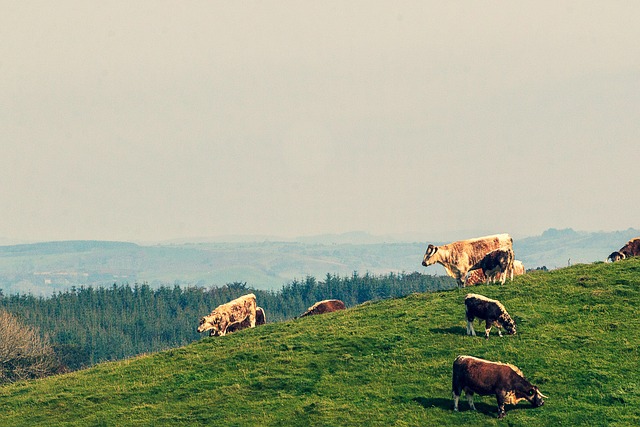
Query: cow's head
(508,324)
(428,255)
(616,256)
(534,396)
(210,323)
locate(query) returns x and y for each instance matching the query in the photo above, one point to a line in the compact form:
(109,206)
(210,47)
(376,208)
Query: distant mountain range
(43,268)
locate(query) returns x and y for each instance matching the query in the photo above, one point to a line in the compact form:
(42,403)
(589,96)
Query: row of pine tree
(87,325)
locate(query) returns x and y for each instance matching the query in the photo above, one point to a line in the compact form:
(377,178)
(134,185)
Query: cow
(230,314)
(498,262)
(518,268)
(615,256)
(261,319)
(475,375)
(631,249)
(326,306)
(457,258)
(491,311)
(477,276)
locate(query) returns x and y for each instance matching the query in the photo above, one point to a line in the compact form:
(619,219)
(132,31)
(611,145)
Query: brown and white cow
(491,311)
(497,263)
(518,268)
(261,319)
(326,306)
(477,276)
(457,258)
(631,249)
(505,381)
(227,315)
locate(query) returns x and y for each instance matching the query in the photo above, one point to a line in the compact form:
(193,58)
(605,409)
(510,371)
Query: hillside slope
(381,363)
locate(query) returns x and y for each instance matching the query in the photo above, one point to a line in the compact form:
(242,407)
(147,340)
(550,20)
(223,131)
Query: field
(381,363)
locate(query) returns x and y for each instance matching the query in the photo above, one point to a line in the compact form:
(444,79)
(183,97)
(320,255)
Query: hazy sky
(153,120)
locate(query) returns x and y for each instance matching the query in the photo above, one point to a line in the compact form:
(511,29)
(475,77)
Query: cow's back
(476,249)
(482,307)
(483,376)
(632,248)
(326,306)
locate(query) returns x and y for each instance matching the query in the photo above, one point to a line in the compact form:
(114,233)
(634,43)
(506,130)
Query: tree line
(87,325)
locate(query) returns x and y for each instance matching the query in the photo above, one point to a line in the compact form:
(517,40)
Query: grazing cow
(631,249)
(261,319)
(615,256)
(498,262)
(326,306)
(477,276)
(457,258)
(230,314)
(474,375)
(489,310)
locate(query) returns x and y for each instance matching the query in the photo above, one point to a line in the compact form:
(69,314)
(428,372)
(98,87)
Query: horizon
(349,237)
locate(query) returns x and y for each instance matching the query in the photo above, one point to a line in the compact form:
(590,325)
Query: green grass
(385,363)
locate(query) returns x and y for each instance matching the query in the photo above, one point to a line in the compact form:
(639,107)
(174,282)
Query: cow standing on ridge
(631,249)
(457,258)
(477,276)
(497,263)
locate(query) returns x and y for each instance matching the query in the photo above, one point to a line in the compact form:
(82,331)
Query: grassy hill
(382,363)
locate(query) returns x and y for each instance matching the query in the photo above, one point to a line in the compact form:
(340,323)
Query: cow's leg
(470,330)
(456,398)
(252,321)
(469,395)
(487,329)
(499,330)
(500,397)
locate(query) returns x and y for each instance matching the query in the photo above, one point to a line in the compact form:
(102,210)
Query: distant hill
(559,248)
(381,363)
(43,268)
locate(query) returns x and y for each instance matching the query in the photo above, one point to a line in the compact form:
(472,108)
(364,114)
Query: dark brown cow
(477,276)
(615,256)
(489,310)
(497,263)
(631,249)
(326,306)
(457,258)
(506,382)
(261,319)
